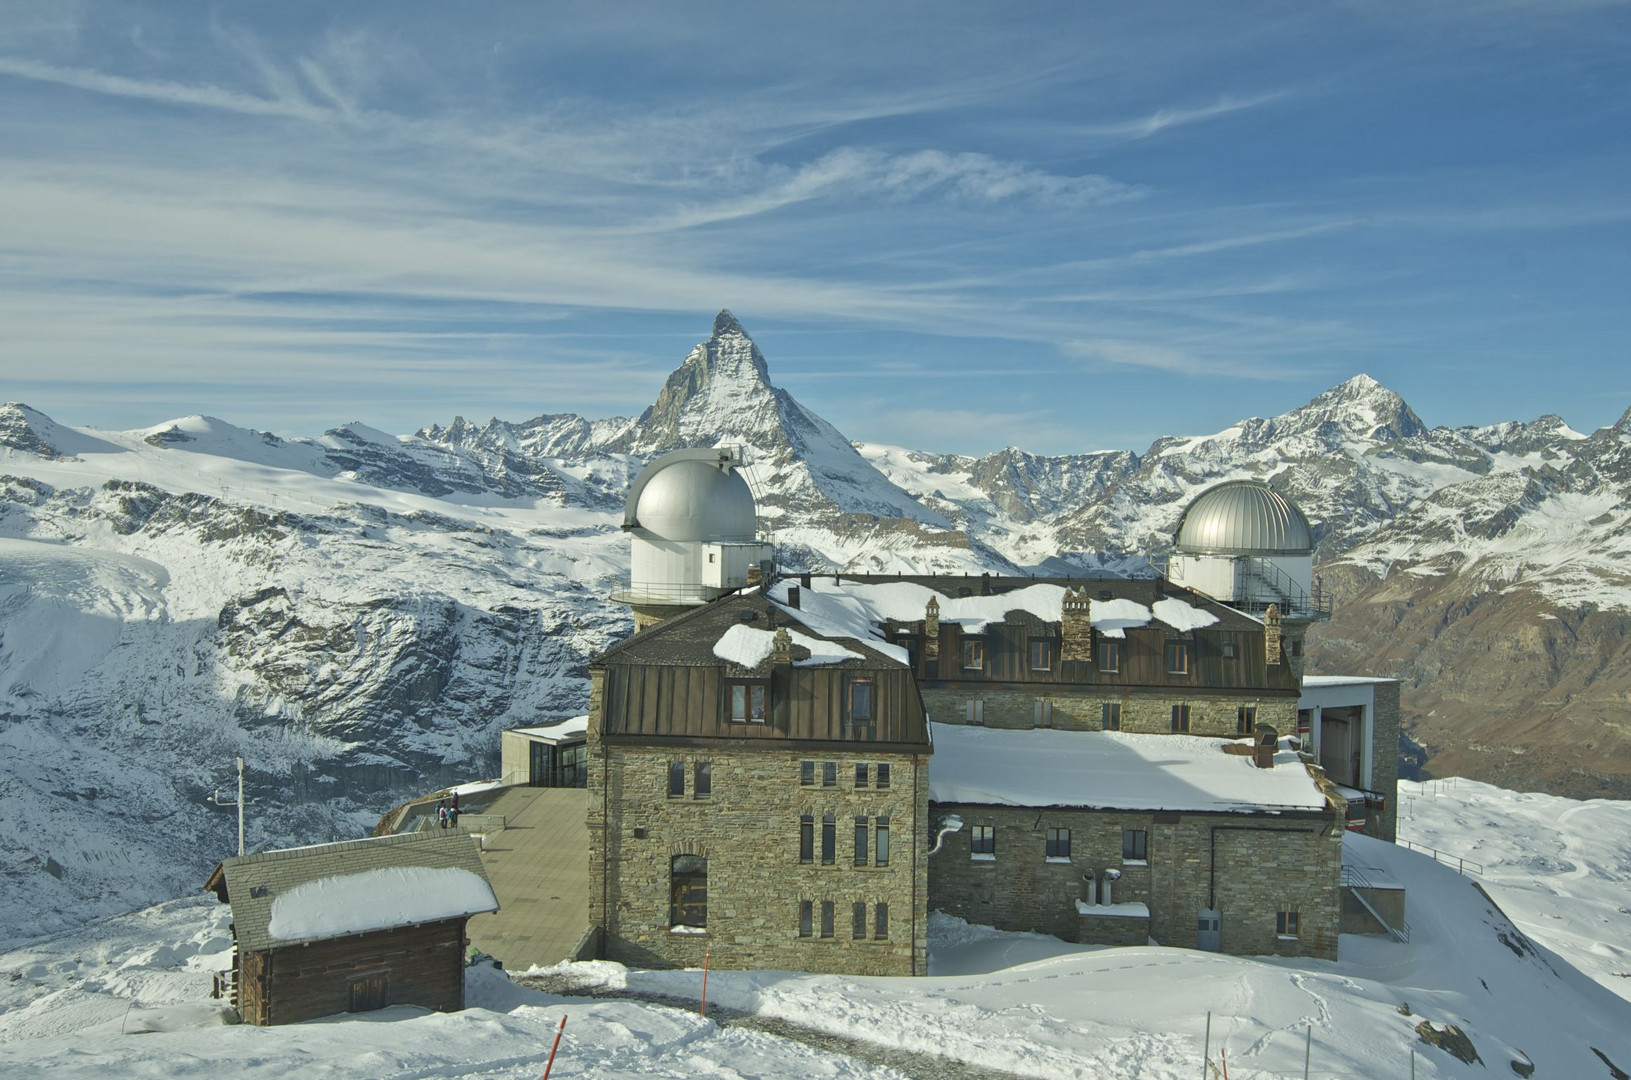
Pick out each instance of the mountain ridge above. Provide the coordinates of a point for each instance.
(360, 613)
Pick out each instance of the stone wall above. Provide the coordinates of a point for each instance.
(1264, 864)
(1095, 929)
(1384, 756)
(1210, 712)
(748, 829)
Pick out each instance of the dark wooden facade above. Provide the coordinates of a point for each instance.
(1143, 658)
(805, 704)
(411, 965)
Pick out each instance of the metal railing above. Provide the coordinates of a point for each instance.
(1282, 588)
(1353, 879)
(1462, 864)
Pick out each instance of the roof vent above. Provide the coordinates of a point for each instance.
(750, 616)
(1106, 594)
(793, 596)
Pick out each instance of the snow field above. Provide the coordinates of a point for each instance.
(1021, 1003)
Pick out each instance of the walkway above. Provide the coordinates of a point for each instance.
(539, 868)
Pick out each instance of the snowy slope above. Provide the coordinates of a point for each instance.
(1024, 1004)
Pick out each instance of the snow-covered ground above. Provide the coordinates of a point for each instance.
(1021, 1003)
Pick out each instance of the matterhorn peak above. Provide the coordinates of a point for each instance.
(725, 323)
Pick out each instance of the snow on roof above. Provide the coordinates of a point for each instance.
(1130, 910)
(1110, 769)
(747, 647)
(377, 900)
(1181, 616)
(855, 610)
(1310, 681)
(577, 725)
(1112, 617)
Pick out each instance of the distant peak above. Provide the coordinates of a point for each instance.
(725, 323)
(1362, 382)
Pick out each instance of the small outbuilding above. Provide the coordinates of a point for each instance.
(353, 926)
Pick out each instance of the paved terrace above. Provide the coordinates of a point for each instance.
(539, 869)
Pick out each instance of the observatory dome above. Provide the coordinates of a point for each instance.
(1243, 517)
(691, 498)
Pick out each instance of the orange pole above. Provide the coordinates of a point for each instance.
(551, 1063)
(1223, 1057)
(705, 954)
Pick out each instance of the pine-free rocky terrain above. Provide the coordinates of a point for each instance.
(359, 614)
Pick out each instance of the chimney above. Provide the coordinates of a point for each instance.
(1076, 626)
(931, 630)
(1268, 740)
(1271, 635)
(781, 648)
(804, 579)
(985, 583)
(793, 596)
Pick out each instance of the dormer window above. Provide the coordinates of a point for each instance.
(1042, 654)
(749, 702)
(1109, 656)
(860, 701)
(1177, 658)
(973, 654)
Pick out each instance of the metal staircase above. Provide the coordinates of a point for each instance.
(1354, 880)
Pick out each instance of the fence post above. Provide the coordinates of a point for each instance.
(1308, 1049)
(1206, 1047)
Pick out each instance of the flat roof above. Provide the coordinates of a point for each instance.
(1312, 682)
(1112, 770)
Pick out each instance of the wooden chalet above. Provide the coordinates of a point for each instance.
(353, 926)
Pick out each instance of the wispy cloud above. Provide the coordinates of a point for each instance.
(170, 93)
(1161, 119)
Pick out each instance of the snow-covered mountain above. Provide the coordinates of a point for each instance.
(359, 613)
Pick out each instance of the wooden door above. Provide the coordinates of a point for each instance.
(368, 993)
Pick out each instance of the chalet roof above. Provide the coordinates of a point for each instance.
(253, 884)
(692, 639)
(976, 599)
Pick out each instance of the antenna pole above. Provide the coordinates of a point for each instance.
(240, 807)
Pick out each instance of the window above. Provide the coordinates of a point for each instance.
(1135, 845)
(829, 840)
(1180, 718)
(807, 839)
(806, 773)
(1042, 715)
(858, 922)
(748, 702)
(806, 918)
(973, 655)
(1228, 650)
(974, 712)
(880, 850)
(880, 924)
(676, 779)
(1058, 844)
(704, 780)
(1177, 658)
(688, 891)
(860, 775)
(860, 701)
(1285, 923)
(1296, 650)
(883, 775)
(829, 774)
(1110, 656)
(826, 918)
(860, 841)
(1245, 719)
(982, 840)
(1110, 719)
(1042, 655)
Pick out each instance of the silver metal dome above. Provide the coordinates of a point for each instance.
(1243, 517)
(693, 495)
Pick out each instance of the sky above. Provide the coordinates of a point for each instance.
(951, 226)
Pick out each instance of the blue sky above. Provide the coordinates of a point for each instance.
(949, 225)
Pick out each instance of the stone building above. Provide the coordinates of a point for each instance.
(1146, 768)
(757, 790)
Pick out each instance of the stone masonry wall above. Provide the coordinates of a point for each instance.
(748, 829)
(1211, 714)
(1384, 758)
(1257, 874)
